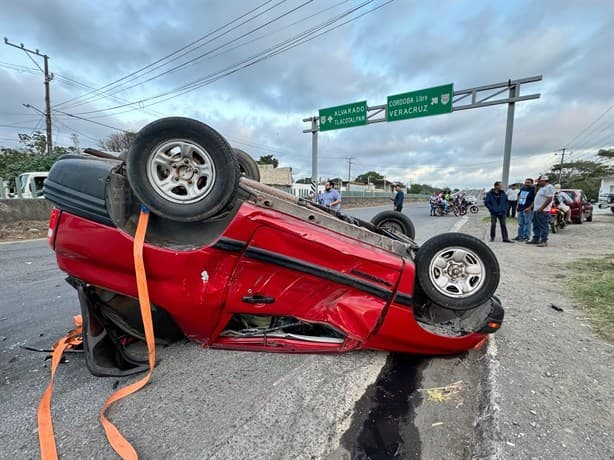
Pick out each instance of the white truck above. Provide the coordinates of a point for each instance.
(30, 184)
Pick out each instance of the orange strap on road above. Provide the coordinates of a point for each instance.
(116, 439)
(74, 338)
(45, 423)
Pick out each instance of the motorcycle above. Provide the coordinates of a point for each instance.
(557, 219)
(460, 209)
(441, 210)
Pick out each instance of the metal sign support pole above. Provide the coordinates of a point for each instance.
(507, 150)
(314, 157)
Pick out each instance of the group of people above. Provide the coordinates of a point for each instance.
(532, 204)
(440, 199)
(331, 198)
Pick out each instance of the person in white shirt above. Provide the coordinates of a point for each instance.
(512, 200)
(541, 218)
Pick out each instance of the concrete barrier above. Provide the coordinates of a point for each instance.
(13, 210)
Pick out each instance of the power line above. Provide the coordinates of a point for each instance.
(90, 121)
(197, 58)
(171, 54)
(279, 48)
(591, 124)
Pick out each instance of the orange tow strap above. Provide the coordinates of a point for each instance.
(45, 423)
(116, 439)
(74, 337)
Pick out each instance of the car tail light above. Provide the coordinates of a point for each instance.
(53, 222)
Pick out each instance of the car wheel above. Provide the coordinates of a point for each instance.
(473, 209)
(581, 219)
(395, 222)
(590, 217)
(457, 271)
(182, 169)
(247, 165)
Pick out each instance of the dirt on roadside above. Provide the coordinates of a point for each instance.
(550, 376)
(23, 230)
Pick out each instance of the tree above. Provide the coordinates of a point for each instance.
(606, 153)
(582, 174)
(117, 142)
(368, 177)
(415, 188)
(268, 160)
(35, 143)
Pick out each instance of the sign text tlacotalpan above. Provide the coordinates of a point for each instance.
(421, 103)
(343, 116)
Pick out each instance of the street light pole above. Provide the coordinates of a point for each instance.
(48, 78)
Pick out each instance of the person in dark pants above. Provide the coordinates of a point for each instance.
(541, 216)
(398, 199)
(512, 200)
(496, 202)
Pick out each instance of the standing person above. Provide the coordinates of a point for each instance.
(330, 197)
(496, 202)
(541, 218)
(525, 210)
(398, 198)
(433, 202)
(512, 200)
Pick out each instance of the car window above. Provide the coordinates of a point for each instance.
(571, 193)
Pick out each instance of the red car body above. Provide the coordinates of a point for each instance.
(313, 274)
(581, 208)
(266, 272)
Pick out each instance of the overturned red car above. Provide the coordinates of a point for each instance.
(234, 264)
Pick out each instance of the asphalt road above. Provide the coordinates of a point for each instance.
(201, 403)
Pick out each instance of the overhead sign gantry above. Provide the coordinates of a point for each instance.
(436, 100)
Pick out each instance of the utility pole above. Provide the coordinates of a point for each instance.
(562, 160)
(48, 78)
(349, 172)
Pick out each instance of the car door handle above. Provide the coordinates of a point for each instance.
(257, 298)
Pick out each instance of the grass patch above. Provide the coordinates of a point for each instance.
(508, 220)
(592, 286)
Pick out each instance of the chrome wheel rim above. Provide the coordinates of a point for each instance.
(181, 171)
(457, 272)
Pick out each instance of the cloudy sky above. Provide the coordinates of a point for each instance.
(253, 69)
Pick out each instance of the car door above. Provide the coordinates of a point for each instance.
(315, 275)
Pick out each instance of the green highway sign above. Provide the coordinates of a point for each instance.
(421, 103)
(343, 116)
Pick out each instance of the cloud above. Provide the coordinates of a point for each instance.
(404, 46)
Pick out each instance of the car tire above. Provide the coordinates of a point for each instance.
(581, 219)
(457, 271)
(247, 165)
(182, 169)
(395, 222)
(590, 217)
(473, 209)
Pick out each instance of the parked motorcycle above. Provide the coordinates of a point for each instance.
(557, 219)
(464, 207)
